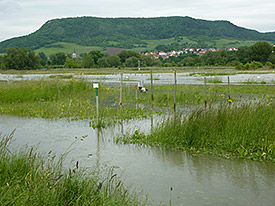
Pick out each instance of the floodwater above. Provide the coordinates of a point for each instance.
(159, 78)
(195, 180)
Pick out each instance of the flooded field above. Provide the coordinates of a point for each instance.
(164, 175)
(159, 78)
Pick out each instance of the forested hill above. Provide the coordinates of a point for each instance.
(128, 32)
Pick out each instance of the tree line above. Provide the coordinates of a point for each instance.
(256, 56)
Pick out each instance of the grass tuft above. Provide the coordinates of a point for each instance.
(28, 179)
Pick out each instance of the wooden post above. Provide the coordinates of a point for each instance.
(152, 96)
(152, 119)
(121, 81)
(205, 94)
(229, 96)
(175, 90)
(136, 91)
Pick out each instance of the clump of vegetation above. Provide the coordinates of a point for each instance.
(245, 131)
(28, 179)
(250, 66)
(214, 80)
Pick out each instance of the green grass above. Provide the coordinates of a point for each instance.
(236, 130)
(75, 99)
(71, 99)
(214, 80)
(27, 178)
(194, 94)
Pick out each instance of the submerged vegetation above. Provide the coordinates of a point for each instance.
(29, 179)
(244, 130)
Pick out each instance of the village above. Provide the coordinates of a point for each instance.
(198, 51)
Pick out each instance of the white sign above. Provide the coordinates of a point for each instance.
(95, 85)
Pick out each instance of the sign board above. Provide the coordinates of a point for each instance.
(95, 85)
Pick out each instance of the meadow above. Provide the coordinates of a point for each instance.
(75, 98)
(55, 98)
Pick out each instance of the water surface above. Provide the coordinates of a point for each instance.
(195, 180)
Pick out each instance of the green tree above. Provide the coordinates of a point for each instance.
(58, 58)
(103, 63)
(20, 59)
(43, 58)
(243, 54)
(114, 60)
(87, 61)
(131, 62)
(188, 61)
(261, 51)
(96, 55)
(125, 54)
(72, 63)
(147, 60)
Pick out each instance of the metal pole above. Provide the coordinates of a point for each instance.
(138, 64)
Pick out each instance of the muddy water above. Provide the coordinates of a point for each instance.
(195, 180)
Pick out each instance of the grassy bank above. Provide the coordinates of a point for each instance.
(26, 178)
(241, 130)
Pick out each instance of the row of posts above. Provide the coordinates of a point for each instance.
(96, 85)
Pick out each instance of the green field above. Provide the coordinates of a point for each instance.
(67, 48)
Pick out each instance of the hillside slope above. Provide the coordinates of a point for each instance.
(129, 32)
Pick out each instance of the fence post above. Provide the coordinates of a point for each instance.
(152, 96)
(121, 81)
(175, 90)
(205, 94)
(229, 95)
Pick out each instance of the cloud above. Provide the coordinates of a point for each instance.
(9, 7)
(21, 17)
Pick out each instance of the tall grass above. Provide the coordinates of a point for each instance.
(194, 94)
(243, 130)
(26, 178)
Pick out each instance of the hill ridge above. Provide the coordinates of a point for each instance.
(127, 32)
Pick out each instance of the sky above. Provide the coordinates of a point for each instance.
(22, 17)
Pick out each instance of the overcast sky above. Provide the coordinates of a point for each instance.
(22, 17)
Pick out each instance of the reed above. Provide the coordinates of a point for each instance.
(27, 178)
(244, 130)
